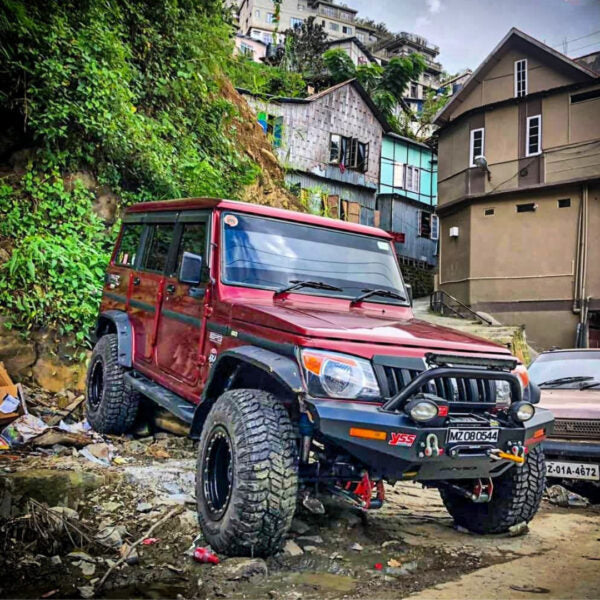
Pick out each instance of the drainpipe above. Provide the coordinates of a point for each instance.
(581, 256)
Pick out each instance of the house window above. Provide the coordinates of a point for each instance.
(477, 145)
(295, 22)
(335, 148)
(246, 49)
(272, 126)
(301, 6)
(534, 136)
(349, 152)
(411, 179)
(361, 37)
(270, 18)
(414, 90)
(399, 175)
(267, 38)
(347, 30)
(520, 77)
(334, 26)
(489, 212)
(428, 225)
(257, 13)
(529, 207)
(564, 203)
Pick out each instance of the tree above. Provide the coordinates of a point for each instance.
(434, 102)
(339, 65)
(304, 48)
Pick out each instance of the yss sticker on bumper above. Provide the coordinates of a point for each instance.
(402, 439)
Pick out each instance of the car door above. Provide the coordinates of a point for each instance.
(179, 351)
(146, 288)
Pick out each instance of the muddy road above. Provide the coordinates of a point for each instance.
(409, 547)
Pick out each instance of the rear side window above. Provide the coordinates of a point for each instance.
(129, 245)
(157, 247)
(193, 239)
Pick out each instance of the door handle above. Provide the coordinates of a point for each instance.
(136, 281)
(171, 289)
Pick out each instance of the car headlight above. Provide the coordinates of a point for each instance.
(522, 411)
(338, 375)
(422, 410)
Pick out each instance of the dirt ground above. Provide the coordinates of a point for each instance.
(408, 548)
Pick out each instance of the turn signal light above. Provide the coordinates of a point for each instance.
(522, 373)
(368, 434)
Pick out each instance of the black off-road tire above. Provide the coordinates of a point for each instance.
(111, 404)
(252, 510)
(516, 498)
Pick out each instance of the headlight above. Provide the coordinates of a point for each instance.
(422, 410)
(338, 375)
(522, 411)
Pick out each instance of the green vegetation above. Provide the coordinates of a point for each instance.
(126, 89)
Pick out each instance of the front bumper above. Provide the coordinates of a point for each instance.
(400, 456)
(565, 449)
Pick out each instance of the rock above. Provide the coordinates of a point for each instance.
(310, 548)
(65, 511)
(188, 520)
(133, 447)
(79, 555)
(391, 544)
(299, 527)
(111, 506)
(100, 451)
(132, 555)
(88, 569)
(292, 549)
(402, 571)
(110, 536)
(143, 507)
(56, 560)
(310, 539)
(17, 355)
(356, 547)
(518, 529)
(4, 258)
(105, 205)
(86, 591)
(243, 568)
(83, 178)
(55, 376)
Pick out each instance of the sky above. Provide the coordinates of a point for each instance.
(467, 30)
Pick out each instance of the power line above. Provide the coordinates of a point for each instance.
(586, 46)
(575, 39)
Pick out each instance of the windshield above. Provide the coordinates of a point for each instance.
(583, 367)
(269, 254)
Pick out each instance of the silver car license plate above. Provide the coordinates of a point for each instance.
(472, 436)
(572, 470)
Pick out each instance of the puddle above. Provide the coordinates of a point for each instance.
(325, 581)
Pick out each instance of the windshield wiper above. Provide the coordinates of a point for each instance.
(591, 384)
(367, 293)
(296, 284)
(562, 380)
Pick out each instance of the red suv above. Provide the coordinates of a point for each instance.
(288, 343)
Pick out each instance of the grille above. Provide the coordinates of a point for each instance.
(577, 428)
(451, 389)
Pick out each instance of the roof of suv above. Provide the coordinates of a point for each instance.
(257, 209)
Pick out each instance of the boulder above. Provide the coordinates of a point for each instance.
(55, 376)
(17, 354)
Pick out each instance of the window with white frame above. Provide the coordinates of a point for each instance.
(520, 77)
(361, 37)
(399, 175)
(257, 13)
(334, 26)
(267, 38)
(428, 225)
(270, 17)
(411, 179)
(296, 22)
(477, 145)
(534, 136)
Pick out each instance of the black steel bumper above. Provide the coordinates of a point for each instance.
(564, 450)
(401, 456)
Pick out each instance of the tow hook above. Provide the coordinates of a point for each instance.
(482, 492)
(516, 453)
(432, 447)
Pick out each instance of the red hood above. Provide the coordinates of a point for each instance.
(360, 325)
(572, 404)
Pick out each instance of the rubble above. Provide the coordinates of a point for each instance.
(243, 568)
(292, 549)
(560, 496)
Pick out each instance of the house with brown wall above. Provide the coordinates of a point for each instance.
(519, 193)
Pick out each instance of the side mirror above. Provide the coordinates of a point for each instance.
(191, 269)
(410, 292)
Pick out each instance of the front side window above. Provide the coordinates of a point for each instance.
(520, 78)
(157, 248)
(129, 245)
(193, 239)
(477, 145)
(265, 253)
(534, 135)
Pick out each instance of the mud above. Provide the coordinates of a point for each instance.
(410, 546)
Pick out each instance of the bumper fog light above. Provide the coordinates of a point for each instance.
(522, 411)
(422, 410)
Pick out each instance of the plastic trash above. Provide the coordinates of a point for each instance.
(378, 566)
(150, 541)
(203, 555)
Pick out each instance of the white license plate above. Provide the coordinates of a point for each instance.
(472, 435)
(571, 470)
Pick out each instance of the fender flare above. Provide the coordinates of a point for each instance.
(119, 321)
(283, 369)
